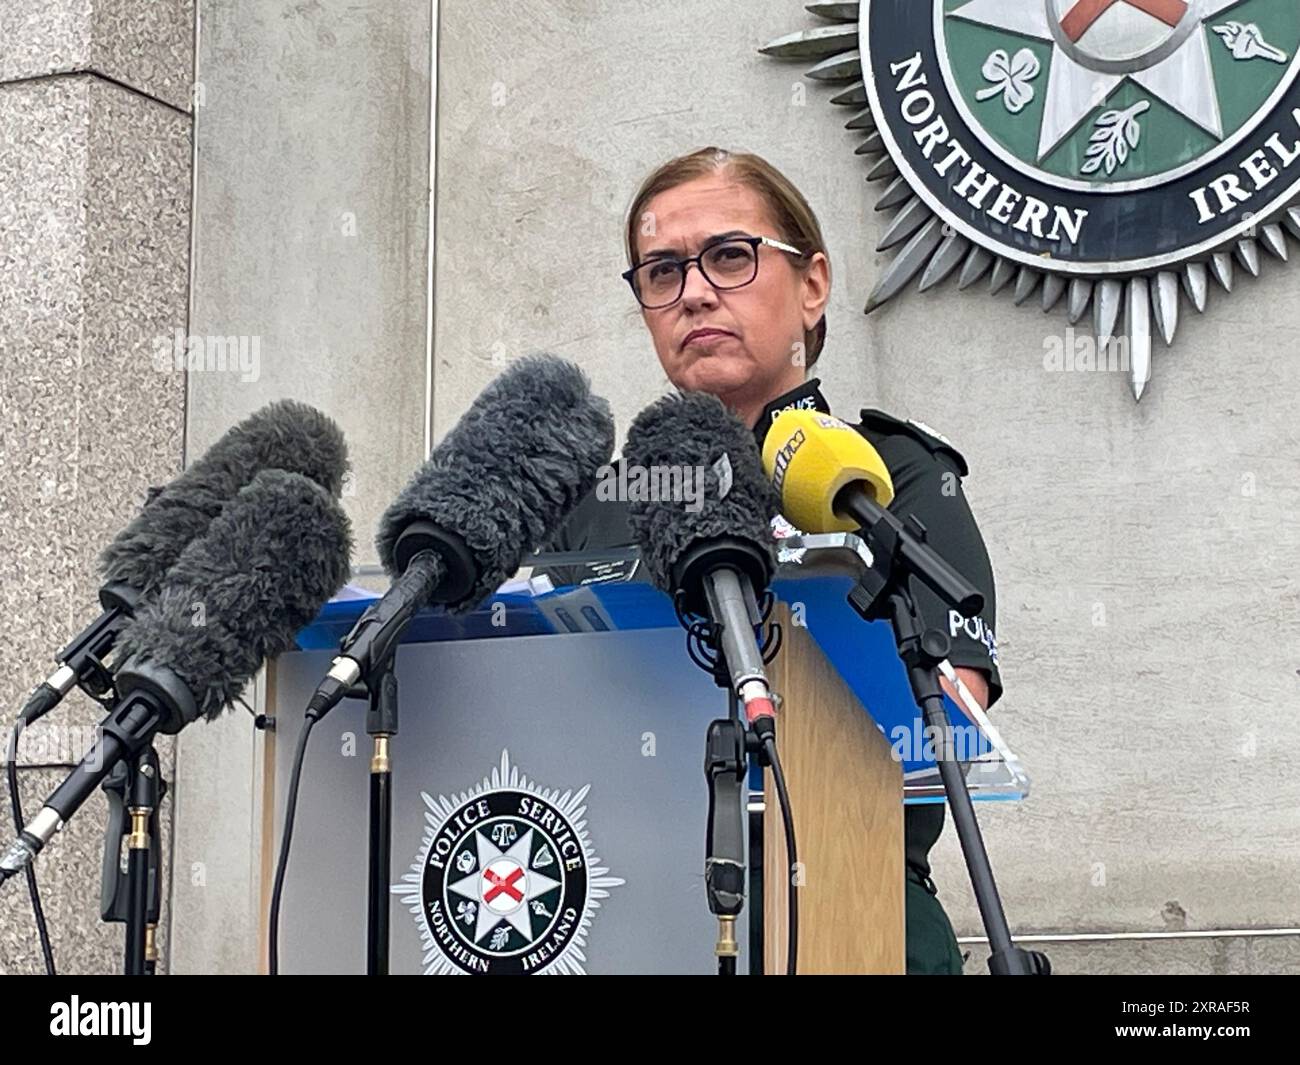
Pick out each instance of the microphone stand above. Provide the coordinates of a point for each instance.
(726, 770)
(883, 593)
(364, 669)
(135, 789)
(381, 724)
(728, 745)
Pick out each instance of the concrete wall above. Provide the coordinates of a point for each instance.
(95, 156)
(312, 217)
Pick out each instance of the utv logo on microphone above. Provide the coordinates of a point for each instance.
(783, 458)
(507, 880)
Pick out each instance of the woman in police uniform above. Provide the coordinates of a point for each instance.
(728, 264)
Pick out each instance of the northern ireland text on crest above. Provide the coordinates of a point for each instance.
(1228, 191)
(974, 184)
(1028, 214)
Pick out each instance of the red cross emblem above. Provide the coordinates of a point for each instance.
(501, 884)
(1079, 19)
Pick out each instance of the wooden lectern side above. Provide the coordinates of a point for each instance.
(846, 791)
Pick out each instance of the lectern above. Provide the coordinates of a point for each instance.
(549, 799)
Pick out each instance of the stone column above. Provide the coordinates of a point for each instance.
(95, 151)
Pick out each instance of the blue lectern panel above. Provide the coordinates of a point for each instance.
(567, 747)
(863, 653)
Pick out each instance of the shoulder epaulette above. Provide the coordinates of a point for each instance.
(934, 442)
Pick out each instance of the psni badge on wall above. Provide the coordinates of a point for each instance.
(1102, 153)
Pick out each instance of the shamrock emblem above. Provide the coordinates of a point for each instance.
(1011, 78)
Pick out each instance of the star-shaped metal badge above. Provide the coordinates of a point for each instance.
(1160, 44)
(1114, 156)
(504, 888)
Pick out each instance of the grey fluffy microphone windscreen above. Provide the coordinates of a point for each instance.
(683, 439)
(286, 435)
(239, 593)
(503, 479)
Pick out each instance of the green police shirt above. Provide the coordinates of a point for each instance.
(926, 471)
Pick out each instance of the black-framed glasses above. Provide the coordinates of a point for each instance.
(727, 264)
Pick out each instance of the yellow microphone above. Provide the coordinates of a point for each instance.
(810, 457)
(830, 479)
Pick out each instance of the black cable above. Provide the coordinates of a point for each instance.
(787, 819)
(282, 864)
(33, 892)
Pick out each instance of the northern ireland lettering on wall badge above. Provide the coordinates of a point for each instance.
(1111, 156)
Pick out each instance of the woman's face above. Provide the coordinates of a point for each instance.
(758, 353)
